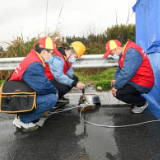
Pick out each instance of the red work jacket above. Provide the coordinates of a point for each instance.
(19, 71)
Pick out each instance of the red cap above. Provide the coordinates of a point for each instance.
(47, 43)
(110, 45)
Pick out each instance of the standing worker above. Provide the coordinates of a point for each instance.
(60, 71)
(133, 76)
(31, 71)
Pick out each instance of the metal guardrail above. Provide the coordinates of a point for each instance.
(95, 61)
(86, 61)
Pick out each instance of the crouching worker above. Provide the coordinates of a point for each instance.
(59, 69)
(133, 76)
(31, 71)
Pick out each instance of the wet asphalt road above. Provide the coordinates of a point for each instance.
(64, 136)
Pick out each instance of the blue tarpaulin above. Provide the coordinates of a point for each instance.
(148, 37)
(148, 25)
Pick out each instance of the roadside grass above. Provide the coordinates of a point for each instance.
(96, 77)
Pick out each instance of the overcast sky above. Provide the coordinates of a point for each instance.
(78, 17)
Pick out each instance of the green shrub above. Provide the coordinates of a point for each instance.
(108, 74)
(105, 84)
(94, 77)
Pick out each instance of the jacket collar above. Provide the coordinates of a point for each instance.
(41, 58)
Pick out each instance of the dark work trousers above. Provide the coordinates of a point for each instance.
(130, 95)
(62, 89)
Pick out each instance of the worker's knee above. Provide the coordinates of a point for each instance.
(47, 101)
(52, 99)
(118, 95)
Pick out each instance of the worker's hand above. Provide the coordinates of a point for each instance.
(57, 95)
(114, 92)
(113, 82)
(80, 85)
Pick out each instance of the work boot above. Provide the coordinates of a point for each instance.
(63, 100)
(140, 109)
(24, 126)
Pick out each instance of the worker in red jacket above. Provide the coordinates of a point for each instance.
(133, 76)
(31, 71)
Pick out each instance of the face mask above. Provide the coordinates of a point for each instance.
(72, 52)
(115, 57)
(49, 60)
(72, 60)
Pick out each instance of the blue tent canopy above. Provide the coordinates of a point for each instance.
(148, 37)
(148, 25)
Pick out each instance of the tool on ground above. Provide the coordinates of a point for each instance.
(83, 103)
(83, 95)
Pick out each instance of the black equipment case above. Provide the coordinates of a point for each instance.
(17, 97)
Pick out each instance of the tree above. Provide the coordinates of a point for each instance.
(121, 32)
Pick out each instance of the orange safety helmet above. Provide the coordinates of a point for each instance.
(79, 48)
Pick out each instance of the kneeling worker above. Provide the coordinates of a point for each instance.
(59, 69)
(133, 76)
(31, 71)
